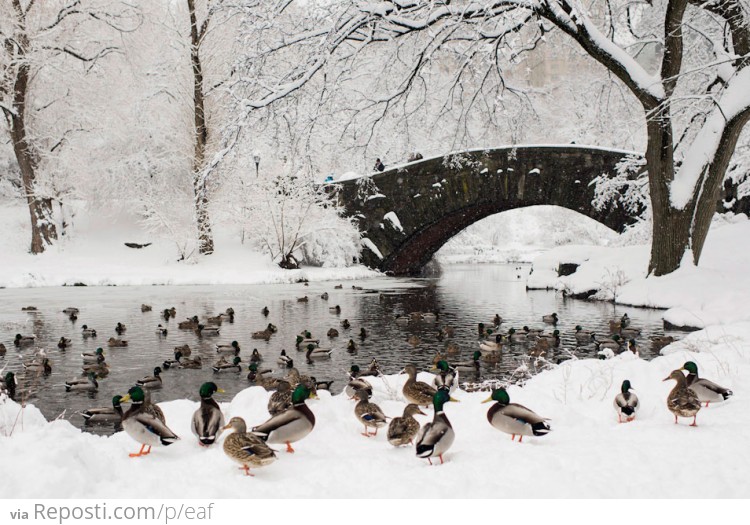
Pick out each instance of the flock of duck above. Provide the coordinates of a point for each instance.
(291, 419)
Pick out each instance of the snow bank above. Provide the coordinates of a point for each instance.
(588, 454)
(93, 253)
(715, 292)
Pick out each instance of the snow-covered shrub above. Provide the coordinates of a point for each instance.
(293, 220)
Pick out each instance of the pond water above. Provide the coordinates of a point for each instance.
(464, 295)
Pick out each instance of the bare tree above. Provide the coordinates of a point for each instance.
(38, 35)
(695, 104)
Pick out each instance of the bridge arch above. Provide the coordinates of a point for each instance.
(409, 212)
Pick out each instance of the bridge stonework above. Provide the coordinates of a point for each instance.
(406, 214)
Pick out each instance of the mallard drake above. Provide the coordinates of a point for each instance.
(446, 378)
(532, 334)
(88, 384)
(332, 332)
(145, 422)
(265, 311)
(96, 357)
(630, 332)
(413, 340)
(304, 340)
(8, 384)
(291, 425)
(120, 328)
(362, 333)
(160, 330)
(280, 400)
(151, 382)
(402, 430)
(435, 438)
(551, 318)
(87, 332)
(583, 336)
(552, 339)
(63, 343)
(351, 346)
(356, 383)
(415, 391)
(202, 330)
(190, 324)
(22, 340)
(302, 299)
(112, 342)
(469, 366)
(285, 360)
(490, 347)
(314, 352)
(146, 308)
(516, 337)
(71, 310)
(232, 348)
(707, 391)
(682, 401)
(245, 448)
(514, 419)
(626, 403)
(369, 414)
(208, 421)
(234, 366)
(104, 415)
(612, 344)
(38, 366)
(255, 357)
(324, 296)
(345, 324)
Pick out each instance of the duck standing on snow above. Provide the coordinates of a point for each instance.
(246, 448)
(291, 425)
(435, 438)
(208, 421)
(626, 403)
(402, 430)
(369, 414)
(415, 391)
(682, 401)
(145, 422)
(514, 419)
(707, 391)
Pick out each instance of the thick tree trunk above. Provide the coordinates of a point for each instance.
(205, 235)
(671, 227)
(43, 230)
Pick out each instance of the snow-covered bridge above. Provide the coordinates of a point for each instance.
(408, 212)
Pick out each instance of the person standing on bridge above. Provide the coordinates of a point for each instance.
(379, 166)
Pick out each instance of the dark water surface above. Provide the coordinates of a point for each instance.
(464, 295)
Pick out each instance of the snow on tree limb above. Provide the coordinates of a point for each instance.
(734, 103)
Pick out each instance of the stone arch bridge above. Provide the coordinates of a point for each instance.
(407, 213)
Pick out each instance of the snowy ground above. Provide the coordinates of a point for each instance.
(715, 292)
(588, 454)
(521, 235)
(94, 253)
